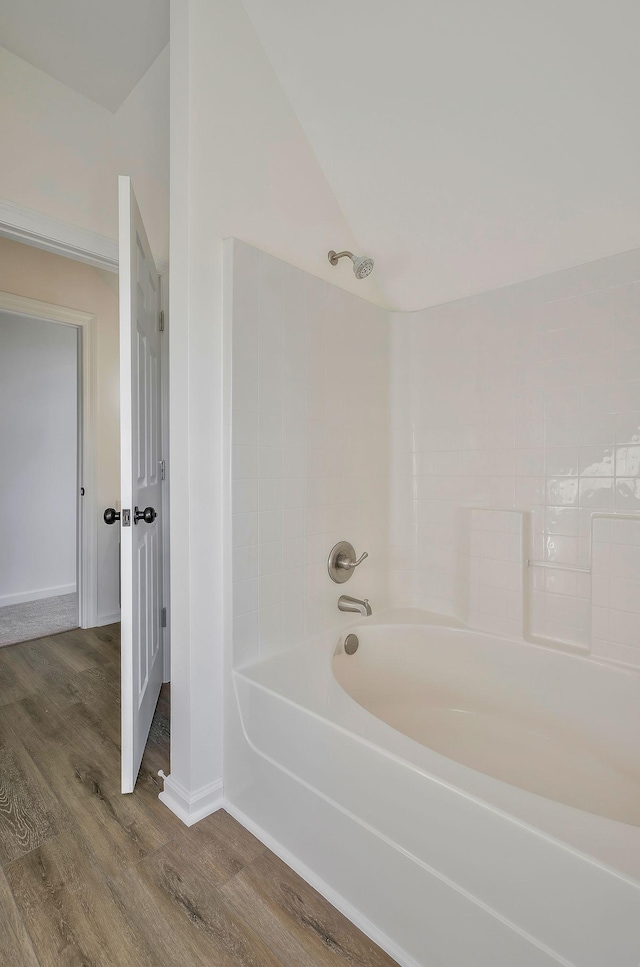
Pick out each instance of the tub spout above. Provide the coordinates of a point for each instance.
(347, 603)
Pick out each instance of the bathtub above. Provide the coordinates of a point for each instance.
(469, 801)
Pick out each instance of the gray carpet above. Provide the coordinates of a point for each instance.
(35, 619)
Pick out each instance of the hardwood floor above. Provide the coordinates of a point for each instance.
(91, 878)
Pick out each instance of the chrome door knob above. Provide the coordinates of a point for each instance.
(111, 515)
(148, 515)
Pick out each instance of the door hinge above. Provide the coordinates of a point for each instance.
(162, 470)
(161, 321)
(125, 519)
(163, 617)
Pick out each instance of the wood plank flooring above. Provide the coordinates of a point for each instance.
(91, 878)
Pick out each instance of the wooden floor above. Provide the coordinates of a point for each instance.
(90, 877)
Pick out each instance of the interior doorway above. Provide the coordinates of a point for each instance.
(45, 576)
(94, 280)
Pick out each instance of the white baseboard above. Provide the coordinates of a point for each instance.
(334, 898)
(107, 619)
(191, 807)
(23, 596)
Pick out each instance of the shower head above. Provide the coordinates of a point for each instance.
(362, 264)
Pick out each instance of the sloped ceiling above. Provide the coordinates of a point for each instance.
(470, 144)
(100, 50)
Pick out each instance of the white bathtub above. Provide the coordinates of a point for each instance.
(469, 801)
(564, 729)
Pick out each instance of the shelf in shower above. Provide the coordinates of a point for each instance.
(559, 567)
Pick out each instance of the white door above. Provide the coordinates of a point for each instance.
(140, 494)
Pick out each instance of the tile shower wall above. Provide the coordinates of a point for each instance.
(525, 399)
(310, 432)
(492, 575)
(615, 604)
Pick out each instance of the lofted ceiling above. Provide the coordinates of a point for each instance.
(99, 49)
(470, 145)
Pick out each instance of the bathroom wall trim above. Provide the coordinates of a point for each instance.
(191, 807)
(107, 619)
(37, 595)
(31, 227)
(34, 228)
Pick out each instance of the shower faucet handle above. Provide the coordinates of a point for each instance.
(342, 561)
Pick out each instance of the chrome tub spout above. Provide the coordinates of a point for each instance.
(347, 603)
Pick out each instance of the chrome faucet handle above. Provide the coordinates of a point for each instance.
(342, 561)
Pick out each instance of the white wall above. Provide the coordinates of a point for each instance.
(310, 451)
(38, 439)
(62, 153)
(470, 145)
(240, 166)
(30, 272)
(524, 399)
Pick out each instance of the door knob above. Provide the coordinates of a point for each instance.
(111, 515)
(148, 515)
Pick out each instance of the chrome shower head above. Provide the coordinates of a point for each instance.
(362, 264)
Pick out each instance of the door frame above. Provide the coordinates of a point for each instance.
(42, 231)
(86, 509)
(166, 483)
(69, 241)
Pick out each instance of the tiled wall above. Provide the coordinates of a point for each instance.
(453, 444)
(492, 579)
(310, 451)
(615, 613)
(527, 399)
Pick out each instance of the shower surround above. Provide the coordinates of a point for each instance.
(486, 454)
(310, 451)
(515, 434)
(454, 444)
